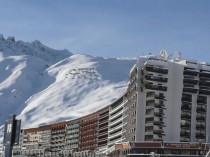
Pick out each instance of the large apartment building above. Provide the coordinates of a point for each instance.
(171, 99)
(166, 106)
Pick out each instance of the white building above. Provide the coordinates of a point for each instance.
(171, 98)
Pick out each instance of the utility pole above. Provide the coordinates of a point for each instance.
(11, 134)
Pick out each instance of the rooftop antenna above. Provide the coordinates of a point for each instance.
(178, 55)
(163, 55)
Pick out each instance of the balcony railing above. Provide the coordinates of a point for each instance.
(200, 127)
(186, 107)
(159, 114)
(156, 96)
(156, 78)
(190, 72)
(161, 97)
(190, 81)
(159, 105)
(185, 134)
(185, 125)
(155, 87)
(204, 74)
(159, 132)
(185, 116)
(201, 109)
(202, 100)
(190, 90)
(200, 136)
(184, 139)
(200, 118)
(204, 92)
(159, 123)
(187, 98)
(157, 69)
(204, 83)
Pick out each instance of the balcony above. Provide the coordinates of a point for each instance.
(159, 114)
(156, 69)
(187, 98)
(200, 126)
(152, 95)
(204, 92)
(201, 109)
(156, 78)
(186, 107)
(200, 118)
(155, 87)
(149, 138)
(200, 136)
(190, 73)
(201, 132)
(185, 125)
(149, 123)
(190, 90)
(204, 83)
(151, 104)
(149, 114)
(159, 132)
(204, 74)
(158, 138)
(106, 115)
(204, 88)
(159, 105)
(190, 81)
(185, 134)
(160, 97)
(186, 115)
(149, 132)
(159, 123)
(201, 100)
(184, 139)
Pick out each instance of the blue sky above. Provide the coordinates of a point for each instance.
(112, 28)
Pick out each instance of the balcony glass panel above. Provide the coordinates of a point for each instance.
(204, 74)
(157, 69)
(186, 107)
(190, 81)
(160, 96)
(155, 87)
(204, 92)
(200, 118)
(201, 99)
(200, 136)
(185, 134)
(191, 73)
(159, 114)
(200, 126)
(159, 132)
(185, 126)
(159, 123)
(187, 97)
(185, 115)
(159, 105)
(190, 90)
(201, 109)
(204, 83)
(156, 78)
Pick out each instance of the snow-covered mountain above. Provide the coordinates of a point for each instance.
(42, 85)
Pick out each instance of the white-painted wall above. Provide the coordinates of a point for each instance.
(173, 104)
